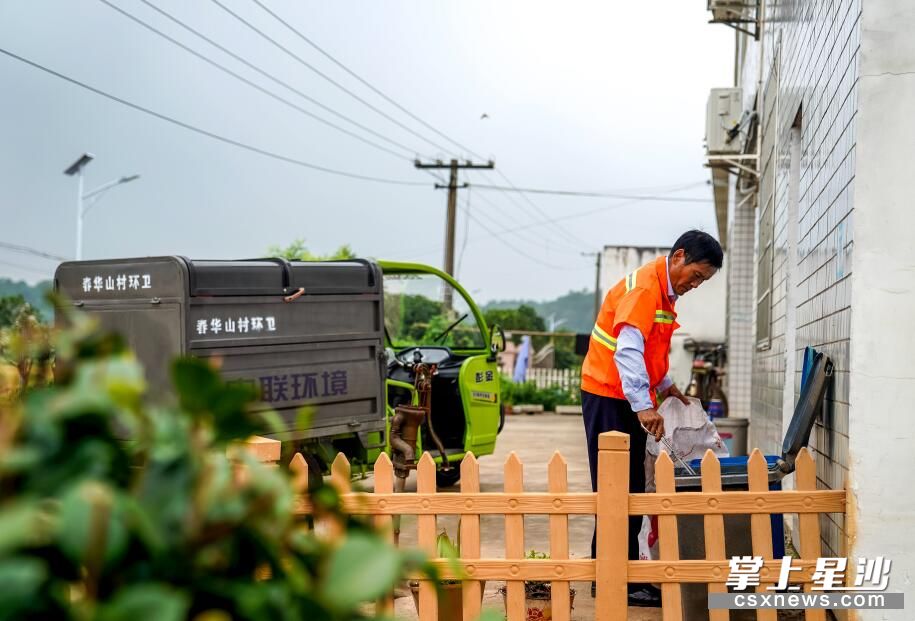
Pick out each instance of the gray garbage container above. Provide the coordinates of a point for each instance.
(304, 333)
(691, 528)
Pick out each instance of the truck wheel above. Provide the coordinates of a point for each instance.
(447, 478)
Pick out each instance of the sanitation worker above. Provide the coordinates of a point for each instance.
(625, 371)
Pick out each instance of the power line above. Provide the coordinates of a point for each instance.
(32, 251)
(261, 89)
(26, 268)
(451, 214)
(520, 234)
(267, 75)
(565, 233)
(518, 250)
(663, 189)
(304, 63)
(365, 82)
(466, 235)
(580, 214)
(511, 187)
(209, 134)
(524, 191)
(568, 235)
(400, 107)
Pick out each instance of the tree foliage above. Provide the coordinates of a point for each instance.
(23, 346)
(523, 317)
(10, 308)
(35, 295)
(297, 251)
(575, 309)
(94, 527)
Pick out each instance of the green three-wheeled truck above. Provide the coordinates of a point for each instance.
(391, 357)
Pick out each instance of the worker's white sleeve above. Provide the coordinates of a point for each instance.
(665, 383)
(630, 362)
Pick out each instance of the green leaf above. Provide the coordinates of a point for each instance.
(446, 549)
(20, 459)
(303, 417)
(196, 384)
(362, 569)
(274, 422)
(490, 614)
(21, 525)
(121, 377)
(21, 579)
(91, 516)
(149, 602)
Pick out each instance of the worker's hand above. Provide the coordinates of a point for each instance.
(673, 391)
(653, 422)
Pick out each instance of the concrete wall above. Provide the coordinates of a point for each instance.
(883, 297)
(700, 313)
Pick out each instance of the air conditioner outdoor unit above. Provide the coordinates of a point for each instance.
(727, 10)
(722, 123)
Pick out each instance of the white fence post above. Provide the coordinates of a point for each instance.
(566, 379)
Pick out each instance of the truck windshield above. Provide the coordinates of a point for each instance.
(419, 308)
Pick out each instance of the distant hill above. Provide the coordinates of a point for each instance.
(33, 294)
(576, 308)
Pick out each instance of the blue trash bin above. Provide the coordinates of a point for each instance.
(738, 541)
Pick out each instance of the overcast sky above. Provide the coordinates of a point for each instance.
(585, 96)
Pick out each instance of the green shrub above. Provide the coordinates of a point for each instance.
(528, 393)
(96, 528)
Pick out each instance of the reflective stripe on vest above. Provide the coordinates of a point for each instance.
(603, 338)
(663, 317)
(630, 280)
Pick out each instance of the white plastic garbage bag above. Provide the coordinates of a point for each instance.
(691, 433)
(648, 539)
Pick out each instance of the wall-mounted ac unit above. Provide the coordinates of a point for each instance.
(722, 123)
(727, 10)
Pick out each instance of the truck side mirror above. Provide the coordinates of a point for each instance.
(496, 340)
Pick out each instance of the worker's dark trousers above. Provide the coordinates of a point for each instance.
(602, 414)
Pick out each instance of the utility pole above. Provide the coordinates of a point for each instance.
(451, 220)
(450, 223)
(597, 298)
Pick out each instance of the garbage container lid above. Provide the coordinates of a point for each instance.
(808, 406)
(276, 276)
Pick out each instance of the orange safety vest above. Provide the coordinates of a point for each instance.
(639, 300)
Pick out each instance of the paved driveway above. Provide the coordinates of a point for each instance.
(535, 439)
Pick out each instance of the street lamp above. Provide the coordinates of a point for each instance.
(76, 168)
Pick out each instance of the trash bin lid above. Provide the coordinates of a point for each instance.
(807, 408)
(245, 277)
(276, 276)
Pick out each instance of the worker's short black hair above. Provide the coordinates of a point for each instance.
(699, 247)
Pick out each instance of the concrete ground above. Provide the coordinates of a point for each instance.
(535, 439)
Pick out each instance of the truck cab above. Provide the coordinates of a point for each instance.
(429, 317)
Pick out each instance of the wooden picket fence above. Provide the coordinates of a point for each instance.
(611, 504)
(567, 379)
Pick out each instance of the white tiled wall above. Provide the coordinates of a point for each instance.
(741, 304)
(815, 48)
